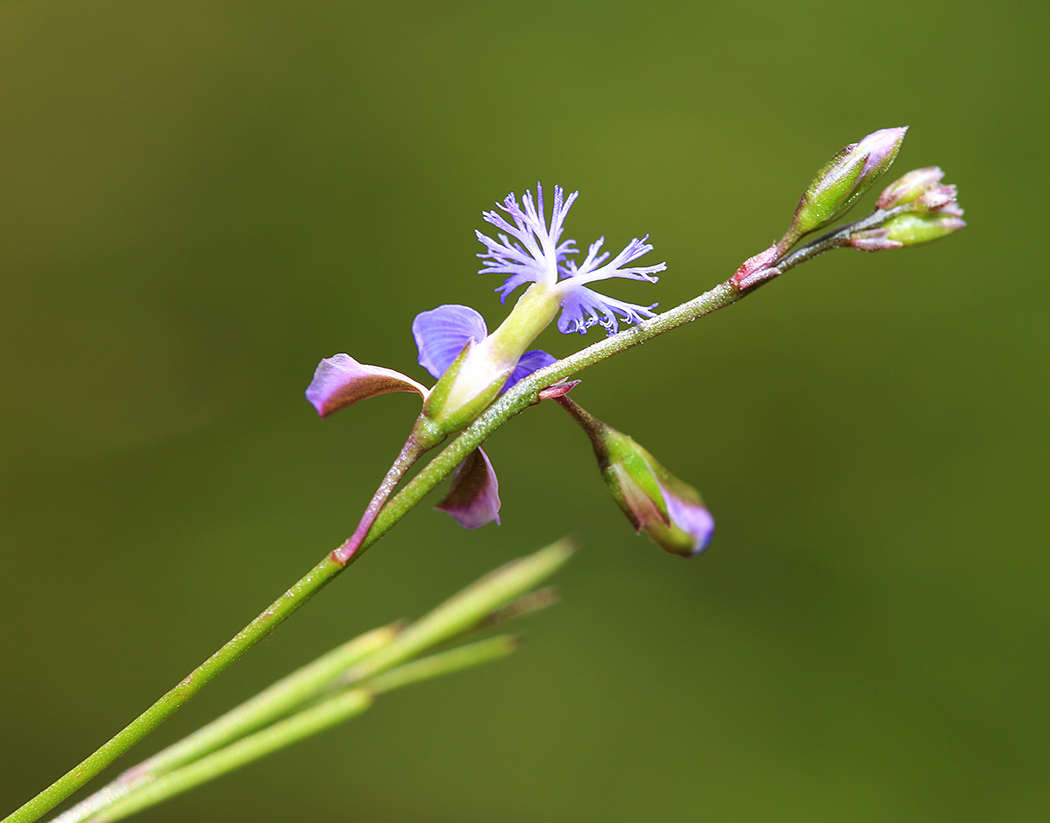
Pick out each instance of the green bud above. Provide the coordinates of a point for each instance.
(920, 190)
(913, 229)
(842, 181)
(669, 511)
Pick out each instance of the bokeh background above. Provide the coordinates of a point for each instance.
(199, 200)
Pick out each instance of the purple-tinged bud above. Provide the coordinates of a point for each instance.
(842, 181)
(655, 501)
(921, 189)
(913, 229)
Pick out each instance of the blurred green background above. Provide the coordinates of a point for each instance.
(200, 200)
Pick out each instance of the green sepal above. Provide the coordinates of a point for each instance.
(912, 229)
(437, 419)
(819, 206)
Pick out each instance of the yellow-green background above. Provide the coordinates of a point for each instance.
(199, 200)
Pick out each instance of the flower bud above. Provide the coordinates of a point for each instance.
(912, 229)
(655, 501)
(843, 180)
(921, 189)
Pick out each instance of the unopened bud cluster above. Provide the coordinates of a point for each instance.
(923, 209)
(915, 209)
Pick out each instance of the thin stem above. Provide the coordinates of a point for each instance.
(410, 453)
(586, 420)
(220, 743)
(279, 699)
(322, 716)
(524, 394)
(834, 239)
(279, 611)
(317, 718)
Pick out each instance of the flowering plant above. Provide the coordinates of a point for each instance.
(484, 379)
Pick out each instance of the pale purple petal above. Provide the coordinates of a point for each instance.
(527, 250)
(473, 499)
(691, 517)
(531, 361)
(583, 307)
(535, 252)
(592, 269)
(442, 333)
(341, 381)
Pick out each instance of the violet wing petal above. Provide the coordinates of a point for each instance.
(473, 499)
(442, 333)
(531, 361)
(341, 381)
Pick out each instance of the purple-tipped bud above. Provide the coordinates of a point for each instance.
(473, 499)
(341, 381)
(921, 189)
(843, 180)
(655, 501)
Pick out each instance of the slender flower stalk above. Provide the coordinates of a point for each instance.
(516, 400)
(472, 395)
(410, 453)
(524, 394)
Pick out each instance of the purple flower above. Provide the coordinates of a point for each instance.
(531, 251)
(473, 366)
(441, 335)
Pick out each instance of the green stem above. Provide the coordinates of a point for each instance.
(269, 705)
(260, 627)
(834, 239)
(481, 604)
(322, 716)
(317, 718)
(282, 608)
(524, 394)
